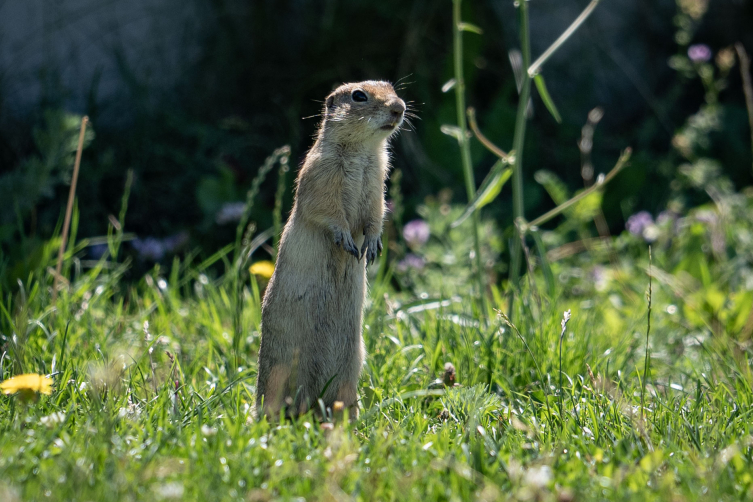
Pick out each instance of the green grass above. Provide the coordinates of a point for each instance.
(153, 407)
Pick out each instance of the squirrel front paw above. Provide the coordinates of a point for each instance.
(372, 246)
(343, 238)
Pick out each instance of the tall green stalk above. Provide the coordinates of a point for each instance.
(463, 139)
(518, 142)
(647, 361)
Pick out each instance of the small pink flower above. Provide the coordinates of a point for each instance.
(699, 53)
(411, 261)
(416, 233)
(638, 222)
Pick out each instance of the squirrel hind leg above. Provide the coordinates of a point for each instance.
(347, 394)
(272, 396)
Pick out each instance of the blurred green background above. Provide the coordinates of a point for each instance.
(192, 95)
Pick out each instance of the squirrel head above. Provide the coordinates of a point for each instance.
(362, 112)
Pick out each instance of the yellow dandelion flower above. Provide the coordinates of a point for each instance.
(27, 384)
(262, 269)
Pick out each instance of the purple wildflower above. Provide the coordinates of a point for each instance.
(411, 261)
(229, 212)
(154, 249)
(150, 248)
(416, 233)
(699, 53)
(638, 222)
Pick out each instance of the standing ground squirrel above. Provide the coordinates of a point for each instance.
(312, 312)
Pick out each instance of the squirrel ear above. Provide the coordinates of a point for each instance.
(330, 101)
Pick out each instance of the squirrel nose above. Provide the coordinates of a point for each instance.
(397, 108)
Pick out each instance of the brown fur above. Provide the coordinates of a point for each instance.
(312, 311)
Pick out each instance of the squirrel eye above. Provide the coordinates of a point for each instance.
(359, 96)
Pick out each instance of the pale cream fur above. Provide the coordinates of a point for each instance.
(312, 312)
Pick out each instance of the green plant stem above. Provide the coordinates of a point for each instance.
(483, 139)
(535, 67)
(565, 319)
(518, 142)
(114, 247)
(744, 59)
(648, 332)
(621, 163)
(562, 417)
(465, 151)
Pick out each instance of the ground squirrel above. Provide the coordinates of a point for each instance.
(312, 312)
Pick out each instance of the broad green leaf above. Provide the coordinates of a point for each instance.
(490, 188)
(546, 98)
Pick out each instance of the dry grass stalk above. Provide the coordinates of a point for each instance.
(69, 208)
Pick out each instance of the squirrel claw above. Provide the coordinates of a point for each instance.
(372, 246)
(344, 239)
